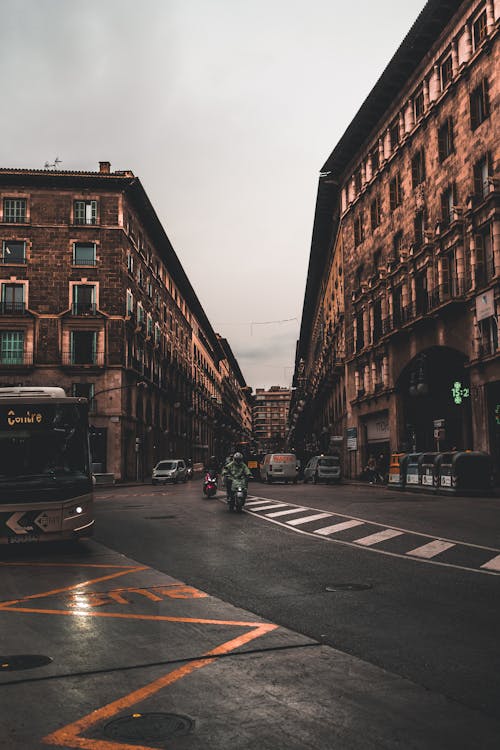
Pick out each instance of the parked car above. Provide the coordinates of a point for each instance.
(171, 470)
(279, 467)
(323, 469)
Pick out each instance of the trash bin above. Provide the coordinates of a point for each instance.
(397, 471)
(428, 472)
(412, 471)
(465, 473)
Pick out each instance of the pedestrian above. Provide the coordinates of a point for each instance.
(371, 469)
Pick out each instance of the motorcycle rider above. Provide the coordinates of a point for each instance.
(235, 471)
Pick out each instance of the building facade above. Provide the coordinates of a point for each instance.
(411, 196)
(270, 418)
(93, 298)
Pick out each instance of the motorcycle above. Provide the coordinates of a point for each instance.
(238, 497)
(209, 485)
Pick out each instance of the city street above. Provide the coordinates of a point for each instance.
(324, 616)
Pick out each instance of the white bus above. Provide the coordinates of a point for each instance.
(46, 491)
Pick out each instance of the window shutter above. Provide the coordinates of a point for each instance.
(479, 245)
(474, 119)
(485, 97)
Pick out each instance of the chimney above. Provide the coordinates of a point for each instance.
(104, 167)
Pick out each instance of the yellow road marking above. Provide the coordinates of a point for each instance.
(70, 735)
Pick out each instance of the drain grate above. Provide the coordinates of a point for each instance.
(15, 662)
(154, 727)
(349, 587)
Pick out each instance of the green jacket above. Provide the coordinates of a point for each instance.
(236, 472)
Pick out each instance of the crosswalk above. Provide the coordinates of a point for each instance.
(377, 537)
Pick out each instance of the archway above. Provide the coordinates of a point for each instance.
(434, 387)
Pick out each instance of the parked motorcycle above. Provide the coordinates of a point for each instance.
(238, 497)
(209, 485)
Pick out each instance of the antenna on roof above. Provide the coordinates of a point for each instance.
(57, 161)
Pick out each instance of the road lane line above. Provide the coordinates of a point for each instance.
(493, 564)
(338, 527)
(285, 512)
(300, 521)
(379, 536)
(431, 550)
(269, 507)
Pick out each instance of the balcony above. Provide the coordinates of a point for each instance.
(83, 359)
(13, 359)
(83, 308)
(12, 308)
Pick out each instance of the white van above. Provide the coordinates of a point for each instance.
(279, 467)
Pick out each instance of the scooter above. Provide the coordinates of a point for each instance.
(209, 485)
(238, 497)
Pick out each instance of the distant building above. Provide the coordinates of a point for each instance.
(94, 299)
(399, 342)
(270, 418)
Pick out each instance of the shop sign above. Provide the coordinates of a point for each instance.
(352, 438)
(485, 305)
(377, 429)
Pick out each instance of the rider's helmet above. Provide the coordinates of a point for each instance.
(238, 457)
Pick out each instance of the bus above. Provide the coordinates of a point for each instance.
(46, 489)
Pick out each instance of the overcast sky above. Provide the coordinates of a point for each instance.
(225, 109)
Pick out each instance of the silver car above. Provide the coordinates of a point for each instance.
(171, 470)
(322, 469)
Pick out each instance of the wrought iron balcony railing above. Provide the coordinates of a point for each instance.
(83, 359)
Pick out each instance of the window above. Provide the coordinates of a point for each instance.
(479, 30)
(377, 320)
(358, 230)
(397, 244)
(85, 212)
(14, 210)
(149, 326)
(447, 203)
(13, 251)
(357, 180)
(419, 228)
(360, 334)
(377, 260)
(375, 157)
(84, 390)
(479, 104)
(130, 263)
(12, 298)
(395, 193)
(481, 173)
(418, 168)
(397, 305)
(421, 297)
(140, 313)
(446, 71)
(83, 302)
(11, 347)
(449, 270)
(130, 303)
(83, 348)
(84, 254)
(418, 104)
(445, 139)
(489, 336)
(375, 212)
(394, 133)
(485, 263)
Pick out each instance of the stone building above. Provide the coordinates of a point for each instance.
(94, 299)
(411, 196)
(270, 418)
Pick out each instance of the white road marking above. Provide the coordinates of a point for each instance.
(380, 536)
(257, 501)
(284, 512)
(269, 507)
(493, 564)
(338, 527)
(300, 521)
(431, 550)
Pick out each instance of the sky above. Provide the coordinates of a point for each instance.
(225, 109)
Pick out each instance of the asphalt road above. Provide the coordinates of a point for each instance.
(433, 620)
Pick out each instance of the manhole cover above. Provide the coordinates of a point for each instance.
(154, 518)
(149, 727)
(349, 587)
(15, 662)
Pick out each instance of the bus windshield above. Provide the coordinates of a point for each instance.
(43, 444)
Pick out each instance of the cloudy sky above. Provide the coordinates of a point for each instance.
(225, 109)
